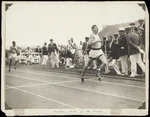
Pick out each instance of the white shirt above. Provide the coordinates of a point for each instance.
(94, 37)
(13, 49)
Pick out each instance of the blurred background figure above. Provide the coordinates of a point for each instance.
(45, 54)
(39, 51)
(30, 59)
(85, 50)
(13, 52)
(74, 51)
(142, 45)
(123, 50)
(80, 53)
(142, 25)
(133, 40)
(53, 53)
(113, 57)
(132, 25)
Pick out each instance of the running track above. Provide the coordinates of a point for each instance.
(30, 89)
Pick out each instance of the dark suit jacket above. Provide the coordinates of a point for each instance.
(133, 41)
(123, 46)
(114, 53)
(38, 50)
(52, 48)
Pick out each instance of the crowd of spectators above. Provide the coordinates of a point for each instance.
(124, 50)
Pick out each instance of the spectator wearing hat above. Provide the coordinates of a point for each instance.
(133, 40)
(115, 35)
(108, 50)
(140, 33)
(104, 45)
(113, 57)
(123, 51)
(39, 51)
(45, 54)
(53, 53)
(132, 26)
(142, 25)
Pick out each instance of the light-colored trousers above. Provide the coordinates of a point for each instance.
(136, 59)
(68, 62)
(54, 59)
(114, 64)
(45, 58)
(124, 64)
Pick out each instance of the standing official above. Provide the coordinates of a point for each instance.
(53, 53)
(123, 51)
(39, 51)
(142, 25)
(45, 54)
(133, 40)
(140, 33)
(113, 55)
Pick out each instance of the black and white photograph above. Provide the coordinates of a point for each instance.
(74, 58)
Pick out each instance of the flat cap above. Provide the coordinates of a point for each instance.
(115, 33)
(128, 27)
(132, 23)
(121, 29)
(140, 20)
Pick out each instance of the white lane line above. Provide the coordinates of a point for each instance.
(120, 84)
(8, 87)
(21, 77)
(58, 76)
(94, 91)
(44, 97)
(45, 84)
(118, 77)
(128, 98)
(117, 84)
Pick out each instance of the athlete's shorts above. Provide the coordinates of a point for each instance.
(13, 56)
(94, 54)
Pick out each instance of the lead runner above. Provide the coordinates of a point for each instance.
(95, 53)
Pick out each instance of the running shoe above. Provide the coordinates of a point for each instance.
(98, 75)
(82, 79)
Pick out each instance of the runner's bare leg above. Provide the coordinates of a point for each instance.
(85, 68)
(10, 64)
(15, 64)
(104, 63)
